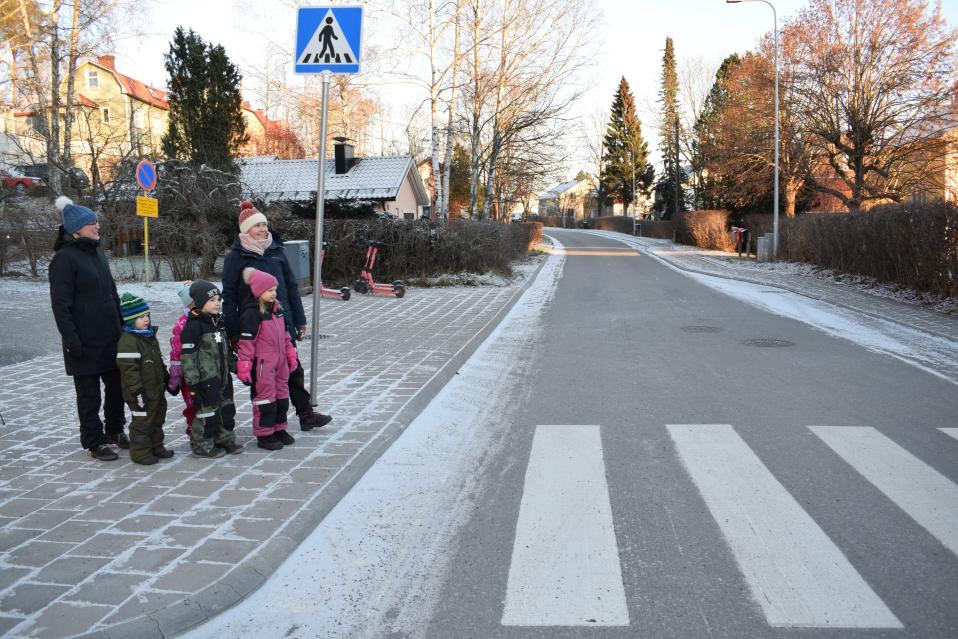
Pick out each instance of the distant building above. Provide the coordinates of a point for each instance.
(117, 117)
(573, 201)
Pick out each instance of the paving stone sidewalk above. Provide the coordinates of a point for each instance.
(114, 549)
(726, 265)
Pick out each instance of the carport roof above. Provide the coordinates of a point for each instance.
(370, 178)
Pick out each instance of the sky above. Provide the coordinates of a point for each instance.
(629, 42)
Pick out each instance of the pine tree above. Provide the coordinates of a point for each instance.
(206, 123)
(671, 180)
(625, 153)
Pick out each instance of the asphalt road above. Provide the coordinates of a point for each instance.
(736, 504)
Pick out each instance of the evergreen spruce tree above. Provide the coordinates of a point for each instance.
(624, 151)
(672, 177)
(206, 123)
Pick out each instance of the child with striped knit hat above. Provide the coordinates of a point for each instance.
(144, 378)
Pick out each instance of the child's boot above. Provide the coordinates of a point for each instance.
(284, 437)
(269, 442)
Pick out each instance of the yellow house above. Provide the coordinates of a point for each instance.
(117, 118)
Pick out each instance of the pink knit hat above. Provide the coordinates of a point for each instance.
(249, 216)
(259, 281)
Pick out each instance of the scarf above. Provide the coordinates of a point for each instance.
(149, 331)
(255, 246)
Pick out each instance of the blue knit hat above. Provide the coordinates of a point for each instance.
(75, 217)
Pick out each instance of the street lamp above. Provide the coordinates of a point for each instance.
(775, 191)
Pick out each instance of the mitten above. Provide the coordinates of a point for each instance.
(176, 379)
(244, 370)
(292, 358)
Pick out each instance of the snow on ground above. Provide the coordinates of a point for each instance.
(932, 354)
(948, 305)
(369, 564)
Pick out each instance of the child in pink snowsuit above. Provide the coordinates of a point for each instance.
(266, 356)
(176, 348)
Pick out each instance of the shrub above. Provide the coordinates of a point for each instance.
(420, 248)
(912, 245)
(705, 229)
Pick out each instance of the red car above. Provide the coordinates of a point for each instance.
(20, 183)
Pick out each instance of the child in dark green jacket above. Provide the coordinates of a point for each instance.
(143, 376)
(205, 357)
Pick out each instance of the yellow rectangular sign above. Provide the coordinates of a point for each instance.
(147, 207)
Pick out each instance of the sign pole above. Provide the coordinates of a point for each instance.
(146, 251)
(318, 249)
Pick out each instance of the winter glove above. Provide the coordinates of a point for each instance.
(75, 351)
(175, 382)
(292, 358)
(244, 370)
(301, 332)
(231, 362)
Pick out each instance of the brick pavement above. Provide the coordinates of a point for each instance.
(118, 550)
(718, 264)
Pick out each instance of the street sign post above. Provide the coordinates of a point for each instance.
(146, 207)
(328, 41)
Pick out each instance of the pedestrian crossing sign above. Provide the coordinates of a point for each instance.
(328, 39)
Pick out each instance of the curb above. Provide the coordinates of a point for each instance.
(252, 572)
(790, 289)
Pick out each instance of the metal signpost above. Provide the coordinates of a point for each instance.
(328, 41)
(146, 207)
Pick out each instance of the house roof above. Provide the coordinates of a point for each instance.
(135, 88)
(560, 189)
(370, 178)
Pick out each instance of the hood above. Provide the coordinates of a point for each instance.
(64, 239)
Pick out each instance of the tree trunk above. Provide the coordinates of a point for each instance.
(444, 206)
(71, 72)
(434, 115)
(53, 140)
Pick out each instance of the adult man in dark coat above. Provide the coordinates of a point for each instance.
(87, 312)
(255, 247)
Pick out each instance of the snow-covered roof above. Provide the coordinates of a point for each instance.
(370, 178)
(559, 189)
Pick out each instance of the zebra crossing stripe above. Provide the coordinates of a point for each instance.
(925, 495)
(952, 432)
(565, 562)
(796, 574)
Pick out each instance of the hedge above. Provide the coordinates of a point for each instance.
(912, 245)
(414, 249)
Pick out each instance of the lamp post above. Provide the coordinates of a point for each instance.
(775, 191)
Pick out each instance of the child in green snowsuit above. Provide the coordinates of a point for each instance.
(143, 376)
(206, 360)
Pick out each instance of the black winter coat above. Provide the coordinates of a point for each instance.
(85, 305)
(236, 292)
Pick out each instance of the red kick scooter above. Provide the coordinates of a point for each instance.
(365, 284)
(343, 293)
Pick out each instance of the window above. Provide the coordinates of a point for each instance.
(139, 120)
(105, 115)
(92, 79)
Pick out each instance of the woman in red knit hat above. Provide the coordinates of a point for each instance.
(255, 247)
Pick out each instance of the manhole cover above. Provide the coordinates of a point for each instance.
(701, 329)
(766, 342)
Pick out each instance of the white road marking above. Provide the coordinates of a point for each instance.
(565, 562)
(953, 432)
(796, 574)
(926, 495)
